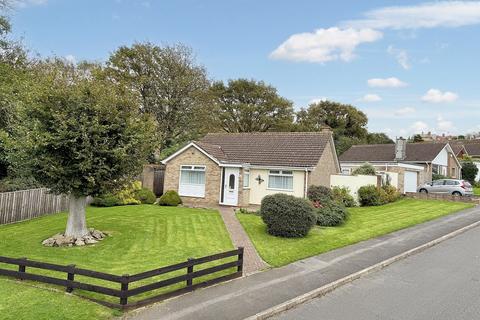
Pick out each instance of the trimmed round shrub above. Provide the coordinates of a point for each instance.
(107, 200)
(370, 196)
(287, 216)
(342, 195)
(331, 214)
(319, 193)
(389, 194)
(170, 198)
(145, 196)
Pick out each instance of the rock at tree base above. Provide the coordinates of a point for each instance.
(60, 240)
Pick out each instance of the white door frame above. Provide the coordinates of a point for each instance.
(229, 195)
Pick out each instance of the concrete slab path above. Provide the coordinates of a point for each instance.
(244, 297)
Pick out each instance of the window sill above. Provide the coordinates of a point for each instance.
(286, 190)
(192, 196)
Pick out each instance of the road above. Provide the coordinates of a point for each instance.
(440, 283)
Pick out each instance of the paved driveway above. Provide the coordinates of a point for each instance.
(440, 283)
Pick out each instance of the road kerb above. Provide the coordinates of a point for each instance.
(340, 282)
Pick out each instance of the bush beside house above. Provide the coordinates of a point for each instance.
(131, 195)
(287, 216)
(331, 213)
(170, 198)
(372, 196)
(342, 195)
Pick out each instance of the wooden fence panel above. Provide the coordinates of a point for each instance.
(28, 204)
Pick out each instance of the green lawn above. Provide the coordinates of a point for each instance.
(142, 238)
(363, 223)
(23, 301)
(476, 191)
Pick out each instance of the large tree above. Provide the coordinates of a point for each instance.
(250, 106)
(81, 136)
(378, 138)
(168, 84)
(349, 124)
(14, 86)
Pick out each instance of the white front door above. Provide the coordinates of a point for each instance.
(230, 186)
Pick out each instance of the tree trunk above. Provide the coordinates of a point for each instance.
(77, 223)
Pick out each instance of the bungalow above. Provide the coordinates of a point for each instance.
(239, 169)
(414, 162)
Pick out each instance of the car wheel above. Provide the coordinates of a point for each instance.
(423, 191)
(457, 193)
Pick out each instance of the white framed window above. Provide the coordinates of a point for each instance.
(246, 178)
(280, 180)
(192, 181)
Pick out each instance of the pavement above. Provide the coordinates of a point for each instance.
(245, 297)
(440, 283)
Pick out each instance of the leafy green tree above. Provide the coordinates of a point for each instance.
(417, 138)
(13, 85)
(81, 136)
(250, 106)
(347, 122)
(344, 119)
(469, 171)
(168, 84)
(378, 138)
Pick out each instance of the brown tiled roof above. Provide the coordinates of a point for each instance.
(415, 152)
(472, 146)
(213, 150)
(473, 149)
(457, 148)
(291, 149)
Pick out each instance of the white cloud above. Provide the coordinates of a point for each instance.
(437, 96)
(444, 126)
(386, 83)
(71, 59)
(400, 55)
(324, 45)
(371, 98)
(317, 100)
(26, 3)
(404, 111)
(419, 127)
(427, 15)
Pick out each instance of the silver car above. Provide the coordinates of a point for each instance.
(448, 186)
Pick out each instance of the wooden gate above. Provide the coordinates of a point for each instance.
(158, 179)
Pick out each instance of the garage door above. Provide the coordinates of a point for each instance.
(410, 181)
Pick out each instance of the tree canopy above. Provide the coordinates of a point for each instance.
(349, 124)
(168, 84)
(82, 135)
(250, 106)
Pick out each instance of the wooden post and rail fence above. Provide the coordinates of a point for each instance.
(125, 290)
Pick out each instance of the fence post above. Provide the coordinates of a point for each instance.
(190, 270)
(22, 267)
(124, 297)
(240, 258)
(71, 277)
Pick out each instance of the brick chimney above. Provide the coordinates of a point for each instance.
(400, 149)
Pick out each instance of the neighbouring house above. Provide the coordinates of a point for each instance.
(413, 162)
(472, 149)
(239, 169)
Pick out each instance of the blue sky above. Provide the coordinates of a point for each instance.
(411, 68)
